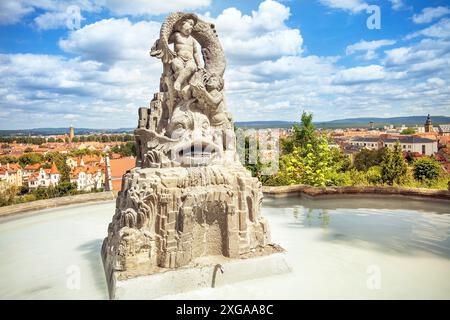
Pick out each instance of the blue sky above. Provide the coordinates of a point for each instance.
(283, 57)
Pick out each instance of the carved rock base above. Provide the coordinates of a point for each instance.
(168, 218)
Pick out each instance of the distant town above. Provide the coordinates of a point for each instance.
(38, 167)
(41, 167)
(415, 142)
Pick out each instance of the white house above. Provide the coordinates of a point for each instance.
(11, 174)
(407, 143)
(444, 129)
(372, 143)
(420, 145)
(88, 178)
(44, 178)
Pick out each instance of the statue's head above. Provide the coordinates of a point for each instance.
(213, 81)
(193, 132)
(186, 26)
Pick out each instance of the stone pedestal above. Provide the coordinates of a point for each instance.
(166, 218)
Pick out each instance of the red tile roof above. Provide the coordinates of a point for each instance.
(54, 169)
(118, 168)
(33, 167)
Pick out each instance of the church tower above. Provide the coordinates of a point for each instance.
(428, 125)
(71, 133)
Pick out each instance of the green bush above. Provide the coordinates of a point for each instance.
(340, 179)
(30, 158)
(358, 178)
(368, 158)
(7, 196)
(373, 175)
(408, 131)
(426, 169)
(126, 150)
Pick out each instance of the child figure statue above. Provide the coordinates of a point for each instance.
(187, 59)
(209, 94)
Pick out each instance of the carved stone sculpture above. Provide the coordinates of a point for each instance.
(188, 196)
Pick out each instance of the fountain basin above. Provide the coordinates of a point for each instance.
(333, 245)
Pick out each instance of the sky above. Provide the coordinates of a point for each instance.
(86, 62)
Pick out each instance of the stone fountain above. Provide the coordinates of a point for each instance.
(189, 203)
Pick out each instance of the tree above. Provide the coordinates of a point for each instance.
(65, 188)
(312, 165)
(426, 169)
(28, 150)
(30, 158)
(340, 160)
(287, 145)
(367, 158)
(408, 131)
(393, 166)
(60, 161)
(8, 159)
(126, 150)
(305, 133)
(8, 195)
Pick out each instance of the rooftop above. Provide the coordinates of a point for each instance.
(402, 139)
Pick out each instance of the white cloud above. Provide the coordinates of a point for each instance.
(441, 29)
(397, 4)
(280, 105)
(261, 36)
(429, 58)
(269, 75)
(369, 47)
(266, 46)
(429, 14)
(398, 55)
(436, 82)
(12, 11)
(71, 116)
(430, 66)
(55, 11)
(360, 74)
(111, 40)
(52, 89)
(353, 6)
(145, 7)
(70, 18)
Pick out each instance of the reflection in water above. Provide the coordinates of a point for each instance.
(396, 229)
(310, 217)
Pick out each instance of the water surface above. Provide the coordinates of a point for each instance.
(338, 248)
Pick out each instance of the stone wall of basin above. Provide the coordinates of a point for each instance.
(281, 191)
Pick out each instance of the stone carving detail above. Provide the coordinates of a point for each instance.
(189, 196)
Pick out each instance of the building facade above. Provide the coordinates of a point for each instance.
(44, 178)
(415, 144)
(88, 178)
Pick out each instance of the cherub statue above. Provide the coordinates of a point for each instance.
(209, 94)
(184, 60)
(187, 59)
